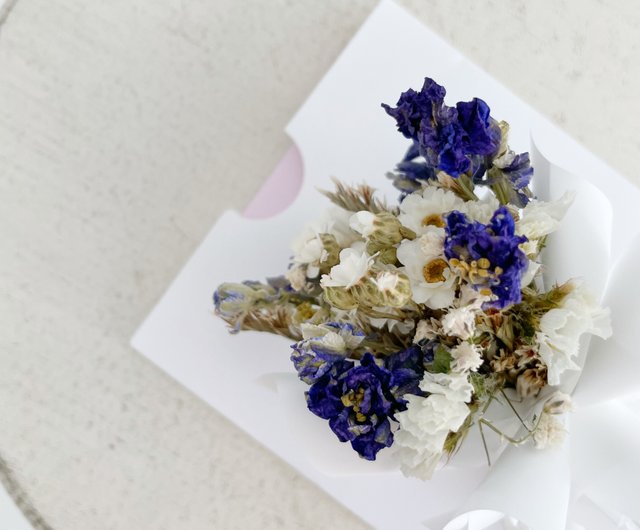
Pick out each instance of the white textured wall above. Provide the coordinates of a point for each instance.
(126, 128)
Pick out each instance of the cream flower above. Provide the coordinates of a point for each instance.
(455, 387)
(562, 327)
(363, 223)
(427, 329)
(460, 322)
(342, 340)
(540, 218)
(466, 357)
(297, 276)
(432, 282)
(426, 423)
(482, 210)
(387, 281)
(354, 265)
(549, 433)
(308, 249)
(421, 210)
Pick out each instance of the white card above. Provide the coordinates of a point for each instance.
(341, 131)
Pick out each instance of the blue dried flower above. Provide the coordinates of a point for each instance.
(491, 254)
(411, 171)
(322, 346)
(414, 107)
(448, 138)
(358, 402)
(407, 369)
(482, 133)
(519, 173)
(442, 145)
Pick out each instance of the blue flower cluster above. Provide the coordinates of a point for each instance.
(358, 399)
(518, 173)
(411, 171)
(451, 139)
(490, 253)
(357, 402)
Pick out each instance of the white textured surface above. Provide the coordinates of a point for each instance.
(126, 128)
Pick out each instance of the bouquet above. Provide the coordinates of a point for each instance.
(412, 321)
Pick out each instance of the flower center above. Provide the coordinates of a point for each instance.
(433, 220)
(433, 271)
(477, 272)
(354, 399)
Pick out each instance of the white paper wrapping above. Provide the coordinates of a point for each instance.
(341, 131)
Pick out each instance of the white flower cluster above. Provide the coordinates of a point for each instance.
(561, 329)
(427, 422)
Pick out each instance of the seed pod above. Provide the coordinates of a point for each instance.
(340, 297)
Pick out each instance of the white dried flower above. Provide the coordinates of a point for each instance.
(426, 329)
(353, 266)
(550, 432)
(335, 339)
(387, 281)
(540, 218)
(455, 387)
(562, 327)
(424, 209)
(308, 248)
(432, 281)
(427, 422)
(297, 276)
(363, 223)
(466, 357)
(482, 210)
(460, 322)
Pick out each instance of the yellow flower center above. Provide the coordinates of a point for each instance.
(354, 399)
(304, 312)
(433, 220)
(433, 271)
(477, 272)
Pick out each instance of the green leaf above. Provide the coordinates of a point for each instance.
(441, 361)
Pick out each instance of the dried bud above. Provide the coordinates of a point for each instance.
(340, 297)
(297, 276)
(531, 381)
(331, 252)
(504, 362)
(234, 300)
(386, 230)
(558, 403)
(394, 289)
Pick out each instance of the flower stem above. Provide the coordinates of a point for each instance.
(514, 409)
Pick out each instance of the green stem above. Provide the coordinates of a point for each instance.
(502, 194)
(514, 409)
(484, 443)
(466, 186)
(514, 441)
